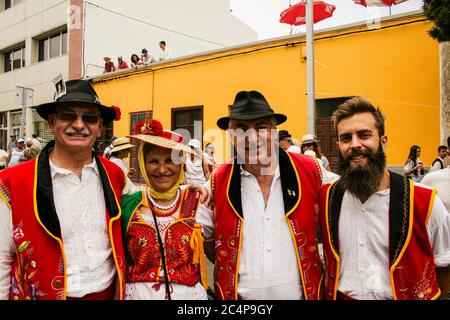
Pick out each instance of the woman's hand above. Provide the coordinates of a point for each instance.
(206, 198)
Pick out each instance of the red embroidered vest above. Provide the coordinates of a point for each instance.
(39, 267)
(412, 270)
(300, 180)
(144, 257)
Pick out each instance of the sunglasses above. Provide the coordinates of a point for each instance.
(308, 145)
(70, 116)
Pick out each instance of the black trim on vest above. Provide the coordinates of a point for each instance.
(234, 191)
(440, 162)
(44, 193)
(108, 192)
(398, 214)
(289, 181)
(288, 184)
(336, 194)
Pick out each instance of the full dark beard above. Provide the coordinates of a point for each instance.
(362, 181)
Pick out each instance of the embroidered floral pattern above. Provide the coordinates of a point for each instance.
(145, 264)
(23, 285)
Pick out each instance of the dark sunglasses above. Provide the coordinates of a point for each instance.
(308, 145)
(71, 116)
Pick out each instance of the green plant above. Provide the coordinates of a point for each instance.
(438, 11)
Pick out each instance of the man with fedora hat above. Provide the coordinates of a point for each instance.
(285, 141)
(265, 219)
(60, 235)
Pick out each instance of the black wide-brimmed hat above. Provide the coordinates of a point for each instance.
(82, 92)
(250, 105)
(284, 134)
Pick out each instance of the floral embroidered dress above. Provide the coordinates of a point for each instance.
(182, 238)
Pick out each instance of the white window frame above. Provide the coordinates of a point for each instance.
(10, 52)
(48, 38)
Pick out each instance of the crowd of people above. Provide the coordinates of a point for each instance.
(274, 221)
(19, 150)
(137, 61)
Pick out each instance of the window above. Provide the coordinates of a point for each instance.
(4, 130)
(189, 119)
(14, 59)
(53, 46)
(12, 3)
(134, 163)
(105, 138)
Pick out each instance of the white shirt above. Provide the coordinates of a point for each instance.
(194, 170)
(364, 244)
(294, 149)
(441, 181)
(268, 266)
(16, 157)
(165, 54)
(80, 207)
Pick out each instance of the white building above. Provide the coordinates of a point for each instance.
(40, 39)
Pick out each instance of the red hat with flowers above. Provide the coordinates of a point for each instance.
(151, 131)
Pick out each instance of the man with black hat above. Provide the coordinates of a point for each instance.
(60, 235)
(285, 141)
(265, 218)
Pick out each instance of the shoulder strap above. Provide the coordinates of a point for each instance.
(440, 161)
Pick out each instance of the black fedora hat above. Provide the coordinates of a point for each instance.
(82, 92)
(283, 134)
(250, 105)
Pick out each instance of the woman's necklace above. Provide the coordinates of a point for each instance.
(168, 207)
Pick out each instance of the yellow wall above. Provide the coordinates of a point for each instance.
(396, 67)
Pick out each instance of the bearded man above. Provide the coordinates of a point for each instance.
(385, 237)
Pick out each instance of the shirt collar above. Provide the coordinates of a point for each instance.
(245, 173)
(55, 170)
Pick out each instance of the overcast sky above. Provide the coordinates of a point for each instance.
(263, 15)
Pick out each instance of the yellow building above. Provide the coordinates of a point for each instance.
(395, 65)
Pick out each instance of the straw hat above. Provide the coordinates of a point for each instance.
(121, 144)
(309, 138)
(151, 131)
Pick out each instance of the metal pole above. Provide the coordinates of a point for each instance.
(310, 65)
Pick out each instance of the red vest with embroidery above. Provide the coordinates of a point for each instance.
(144, 257)
(300, 179)
(411, 262)
(39, 267)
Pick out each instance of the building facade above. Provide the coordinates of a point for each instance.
(40, 39)
(396, 66)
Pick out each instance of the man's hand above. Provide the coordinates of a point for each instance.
(131, 172)
(205, 199)
(443, 277)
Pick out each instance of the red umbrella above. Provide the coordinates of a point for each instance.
(296, 14)
(378, 3)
